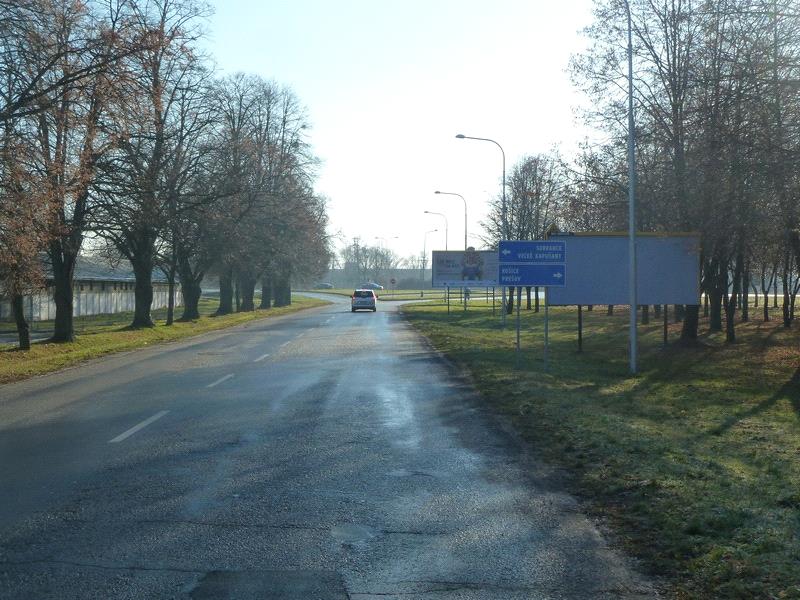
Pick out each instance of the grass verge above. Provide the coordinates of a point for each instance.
(104, 334)
(694, 461)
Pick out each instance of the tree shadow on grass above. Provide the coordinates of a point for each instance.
(789, 391)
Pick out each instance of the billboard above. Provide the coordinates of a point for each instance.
(465, 268)
(667, 269)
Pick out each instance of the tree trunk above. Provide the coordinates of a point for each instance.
(236, 294)
(171, 299)
(247, 285)
(190, 289)
(745, 295)
(283, 291)
(143, 291)
(716, 286)
(23, 328)
(610, 311)
(680, 311)
(191, 298)
(510, 301)
(536, 299)
(730, 306)
(787, 315)
(266, 291)
(657, 311)
(63, 266)
(225, 292)
(691, 323)
(715, 315)
(705, 305)
(528, 294)
(645, 314)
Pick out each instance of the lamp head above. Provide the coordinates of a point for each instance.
(437, 192)
(460, 136)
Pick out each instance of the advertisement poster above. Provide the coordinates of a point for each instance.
(465, 268)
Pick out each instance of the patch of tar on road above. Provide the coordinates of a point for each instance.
(271, 584)
(352, 534)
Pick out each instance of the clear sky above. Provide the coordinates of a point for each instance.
(388, 85)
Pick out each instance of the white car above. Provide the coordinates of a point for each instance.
(363, 299)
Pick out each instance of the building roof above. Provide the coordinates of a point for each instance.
(92, 268)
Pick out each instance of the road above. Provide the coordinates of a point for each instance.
(322, 455)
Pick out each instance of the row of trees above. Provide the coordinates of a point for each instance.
(115, 128)
(717, 101)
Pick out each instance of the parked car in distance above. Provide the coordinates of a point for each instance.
(371, 286)
(363, 299)
(323, 285)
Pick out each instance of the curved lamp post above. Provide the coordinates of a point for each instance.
(504, 222)
(425, 252)
(465, 212)
(430, 212)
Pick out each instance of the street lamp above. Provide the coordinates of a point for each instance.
(430, 212)
(465, 211)
(504, 223)
(425, 252)
(461, 136)
(631, 202)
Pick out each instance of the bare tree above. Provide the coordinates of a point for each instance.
(145, 127)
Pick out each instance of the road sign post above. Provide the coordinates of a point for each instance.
(533, 263)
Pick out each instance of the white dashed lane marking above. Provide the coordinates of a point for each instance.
(220, 380)
(126, 434)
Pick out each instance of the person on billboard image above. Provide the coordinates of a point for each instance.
(471, 265)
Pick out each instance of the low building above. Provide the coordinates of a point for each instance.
(98, 289)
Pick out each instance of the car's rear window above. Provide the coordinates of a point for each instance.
(362, 294)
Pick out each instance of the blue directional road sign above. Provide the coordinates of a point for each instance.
(533, 251)
(534, 262)
(541, 275)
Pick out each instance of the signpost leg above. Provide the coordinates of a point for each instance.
(546, 327)
(492, 301)
(512, 292)
(503, 315)
(580, 328)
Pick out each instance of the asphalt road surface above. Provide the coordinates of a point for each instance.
(322, 455)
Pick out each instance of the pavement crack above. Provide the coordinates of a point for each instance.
(445, 586)
(230, 525)
(402, 532)
(105, 567)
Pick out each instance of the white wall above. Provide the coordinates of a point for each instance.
(97, 301)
